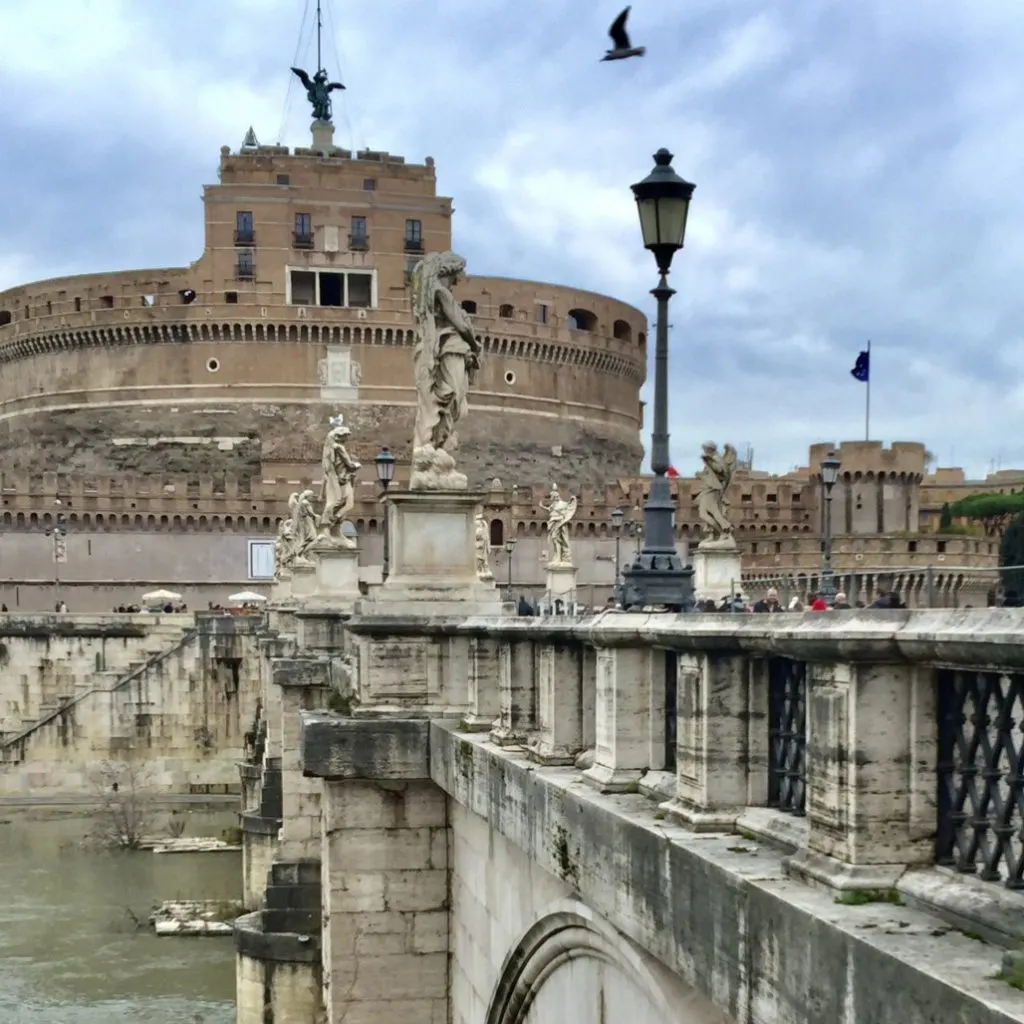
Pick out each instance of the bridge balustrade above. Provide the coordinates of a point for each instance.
(868, 742)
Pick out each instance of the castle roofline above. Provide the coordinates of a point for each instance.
(468, 278)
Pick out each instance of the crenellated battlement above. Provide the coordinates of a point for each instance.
(907, 459)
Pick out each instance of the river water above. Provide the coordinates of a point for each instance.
(69, 951)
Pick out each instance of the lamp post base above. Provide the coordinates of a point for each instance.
(658, 579)
(827, 590)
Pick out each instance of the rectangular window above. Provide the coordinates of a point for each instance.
(413, 234)
(369, 184)
(346, 288)
(940, 547)
(772, 498)
(303, 291)
(542, 313)
(244, 268)
(357, 236)
(261, 559)
(106, 301)
(244, 234)
(360, 290)
(231, 298)
(303, 230)
(332, 289)
(78, 305)
(284, 179)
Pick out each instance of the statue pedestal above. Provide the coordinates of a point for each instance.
(717, 569)
(303, 579)
(432, 557)
(281, 589)
(561, 582)
(323, 136)
(337, 574)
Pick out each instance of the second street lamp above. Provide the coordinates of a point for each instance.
(659, 577)
(384, 463)
(510, 546)
(617, 516)
(829, 475)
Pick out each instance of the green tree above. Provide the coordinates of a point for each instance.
(1011, 552)
(946, 518)
(993, 510)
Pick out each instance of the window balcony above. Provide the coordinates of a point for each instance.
(302, 241)
(245, 238)
(414, 245)
(245, 272)
(359, 243)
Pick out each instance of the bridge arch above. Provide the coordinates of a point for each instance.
(571, 965)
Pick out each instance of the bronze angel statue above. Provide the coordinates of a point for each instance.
(712, 496)
(446, 358)
(318, 92)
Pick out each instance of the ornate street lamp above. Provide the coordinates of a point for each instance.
(617, 516)
(59, 536)
(659, 576)
(510, 546)
(384, 462)
(829, 475)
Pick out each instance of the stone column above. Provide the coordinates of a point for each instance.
(517, 695)
(483, 685)
(384, 859)
(622, 719)
(721, 740)
(559, 735)
(304, 685)
(871, 748)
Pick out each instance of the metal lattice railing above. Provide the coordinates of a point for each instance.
(981, 775)
(787, 734)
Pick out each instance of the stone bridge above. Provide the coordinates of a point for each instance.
(786, 819)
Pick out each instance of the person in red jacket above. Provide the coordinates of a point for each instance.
(817, 604)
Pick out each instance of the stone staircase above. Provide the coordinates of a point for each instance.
(100, 685)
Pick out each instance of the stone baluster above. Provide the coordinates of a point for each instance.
(483, 685)
(561, 690)
(871, 754)
(623, 718)
(517, 694)
(721, 739)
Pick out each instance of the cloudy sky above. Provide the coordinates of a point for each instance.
(858, 170)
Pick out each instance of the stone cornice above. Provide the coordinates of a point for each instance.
(971, 637)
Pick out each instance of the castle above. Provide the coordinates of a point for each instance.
(163, 416)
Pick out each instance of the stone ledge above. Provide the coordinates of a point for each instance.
(717, 908)
(300, 672)
(969, 904)
(256, 824)
(273, 947)
(972, 638)
(338, 747)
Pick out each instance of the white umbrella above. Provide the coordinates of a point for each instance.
(246, 597)
(160, 597)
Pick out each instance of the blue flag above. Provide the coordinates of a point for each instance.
(862, 368)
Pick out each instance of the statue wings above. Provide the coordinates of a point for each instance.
(303, 77)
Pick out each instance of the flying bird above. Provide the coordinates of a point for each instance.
(620, 38)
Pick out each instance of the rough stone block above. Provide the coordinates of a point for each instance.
(335, 747)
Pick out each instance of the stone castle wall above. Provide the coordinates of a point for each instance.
(167, 694)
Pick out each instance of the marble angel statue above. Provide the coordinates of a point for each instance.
(446, 358)
(560, 516)
(304, 525)
(337, 492)
(284, 550)
(712, 500)
(483, 548)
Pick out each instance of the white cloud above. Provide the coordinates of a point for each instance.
(857, 171)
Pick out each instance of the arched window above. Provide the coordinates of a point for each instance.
(469, 305)
(622, 330)
(506, 311)
(581, 320)
(497, 533)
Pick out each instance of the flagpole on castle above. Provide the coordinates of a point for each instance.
(867, 400)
